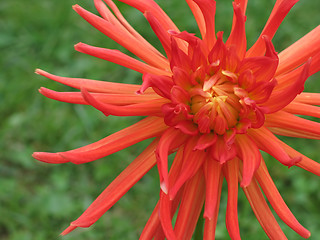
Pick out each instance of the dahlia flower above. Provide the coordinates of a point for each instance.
(215, 105)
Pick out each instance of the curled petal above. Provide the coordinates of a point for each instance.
(146, 128)
(94, 85)
(237, 37)
(170, 140)
(269, 143)
(208, 9)
(281, 98)
(275, 199)
(222, 152)
(161, 85)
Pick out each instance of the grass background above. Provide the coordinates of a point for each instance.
(37, 200)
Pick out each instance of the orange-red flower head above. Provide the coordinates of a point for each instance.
(214, 104)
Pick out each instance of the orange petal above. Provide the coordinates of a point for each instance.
(124, 181)
(279, 12)
(276, 201)
(144, 129)
(94, 85)
(150, 108)
(124, 38)
(119, 58)
(299, 52)
(263, 212)
(292, 123)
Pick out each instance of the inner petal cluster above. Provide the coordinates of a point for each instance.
(214, 91)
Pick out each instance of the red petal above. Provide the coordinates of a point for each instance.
(237, 36)
(190, 207)
(231, 172)
(208, 9)
(250, 155)
(213, 177)
(281, 98)
(170, 139)
(193, 160)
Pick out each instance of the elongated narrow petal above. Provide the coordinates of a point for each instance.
(153, 224)
(305, 163)
(231, 173)
(250, 155)
(170, 139)
(94, 85)
(281, 98)
(308, 98)
(124, 38)
(303, 109)
(190, 207)
(120, 58)
(269, 143)
(276, 201)
(193, 160)
(208, 9)
(295, 124)
(279, 12)
(150, 108)
(237, 37)
(115, 99)
(165, 216)
(213, 176)
(132, 174)
(263, 212)
(151, 126)
(299, 52)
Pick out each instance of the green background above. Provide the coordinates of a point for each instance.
(37, 200)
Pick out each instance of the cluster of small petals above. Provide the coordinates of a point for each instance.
(215, 104)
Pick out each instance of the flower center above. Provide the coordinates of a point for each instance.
(214, 104)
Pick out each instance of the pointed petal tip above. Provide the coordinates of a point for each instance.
(49, 157)
(164, 187)
(68, 230)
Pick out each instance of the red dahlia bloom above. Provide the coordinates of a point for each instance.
(214, 104)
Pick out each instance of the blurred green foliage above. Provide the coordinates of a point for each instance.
(38, 200)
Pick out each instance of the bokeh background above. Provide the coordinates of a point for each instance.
(37, 200)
